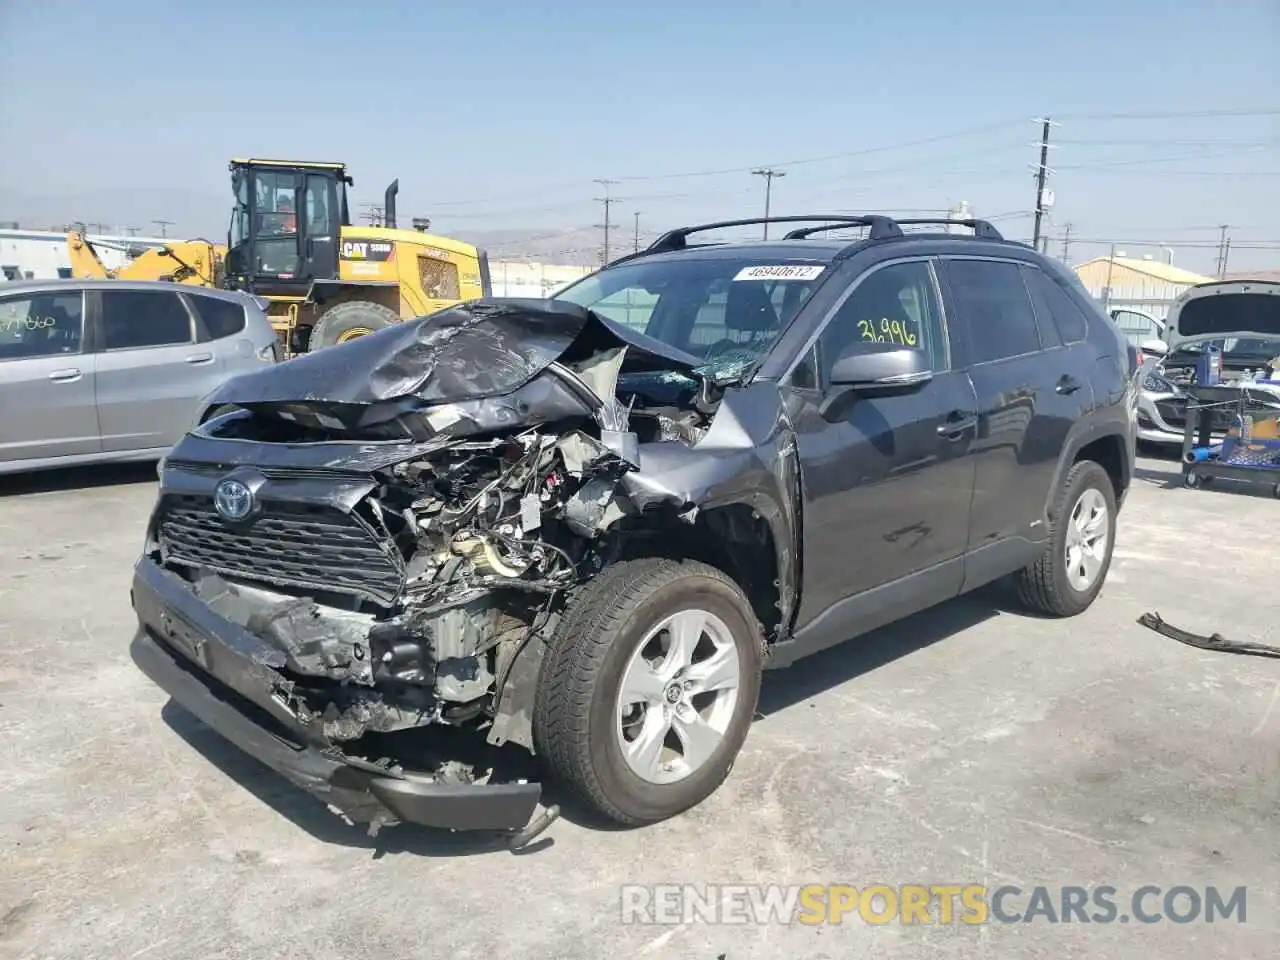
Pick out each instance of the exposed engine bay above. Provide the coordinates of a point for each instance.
(413, 532)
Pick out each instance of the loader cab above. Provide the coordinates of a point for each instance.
(285, 225)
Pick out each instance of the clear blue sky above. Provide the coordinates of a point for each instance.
(498, 115)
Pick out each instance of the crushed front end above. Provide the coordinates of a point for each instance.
(330, 570)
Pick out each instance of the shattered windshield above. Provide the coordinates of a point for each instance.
(726, 311)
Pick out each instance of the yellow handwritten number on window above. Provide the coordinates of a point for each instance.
(889, 331)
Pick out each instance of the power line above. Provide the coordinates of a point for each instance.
(863, 151)
(768, 173)
(1171, 115)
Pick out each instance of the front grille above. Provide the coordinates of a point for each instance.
(290, 544)
(1173, 412)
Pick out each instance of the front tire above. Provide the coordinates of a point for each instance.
(348, 321)
(1068, 576)
(648, 688)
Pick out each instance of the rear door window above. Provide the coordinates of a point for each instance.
(222, 318)
(41, 325)
(134, 318)
(1070, 321)
(995, 307)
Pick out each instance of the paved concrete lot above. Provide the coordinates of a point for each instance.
(970, 744)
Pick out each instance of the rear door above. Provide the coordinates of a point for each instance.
(1029, 394)
(151, 371)
(46, 378)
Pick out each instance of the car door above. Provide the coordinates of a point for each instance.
(221, 326)
(151, 371)
(46, 378)
(1030, 388)
(887, 481)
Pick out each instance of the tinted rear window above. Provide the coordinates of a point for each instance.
(1070, 321)
(994, 305)
(222, 318)
(1229, 312)
(133, 319)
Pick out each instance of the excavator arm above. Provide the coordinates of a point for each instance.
(194, 262)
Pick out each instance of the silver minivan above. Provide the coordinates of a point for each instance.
(114, 370)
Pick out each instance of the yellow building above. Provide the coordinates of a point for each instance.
(1136, 290)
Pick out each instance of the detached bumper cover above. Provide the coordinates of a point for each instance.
(225, 677)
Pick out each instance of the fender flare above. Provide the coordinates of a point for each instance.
(1077, 440)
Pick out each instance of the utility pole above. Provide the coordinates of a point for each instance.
(163, 225)
(1041, 172)
(1222, 250)
(608, 202)
(636, 246)
(1226, 252)
(768, 173)
(1066, 241)
(373, 213)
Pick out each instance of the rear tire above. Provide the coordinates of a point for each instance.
(348, 321)
(1068, 576)
(583, 718)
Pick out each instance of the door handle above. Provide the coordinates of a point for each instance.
(957, 424)
(70, 375)
(200, 358)
(1067, 385)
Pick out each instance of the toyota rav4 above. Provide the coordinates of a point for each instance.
(566, 536)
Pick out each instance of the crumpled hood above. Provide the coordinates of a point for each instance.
(477, 349)
(1239, 309)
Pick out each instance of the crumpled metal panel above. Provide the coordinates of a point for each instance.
(481, 348)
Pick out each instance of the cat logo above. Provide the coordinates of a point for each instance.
(377, 250)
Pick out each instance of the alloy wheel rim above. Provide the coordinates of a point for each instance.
(677, 697)
(1088, 536)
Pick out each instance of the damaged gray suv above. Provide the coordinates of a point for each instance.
(416, 571)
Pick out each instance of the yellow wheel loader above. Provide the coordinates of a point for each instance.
(292, 242)
(194, 262)
(327, 280)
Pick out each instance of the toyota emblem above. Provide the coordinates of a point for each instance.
(233, 500)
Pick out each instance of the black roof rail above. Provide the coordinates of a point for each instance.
(982, 229)
(881, 227)
(887, 228)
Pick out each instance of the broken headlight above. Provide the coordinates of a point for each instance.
(1154, 382)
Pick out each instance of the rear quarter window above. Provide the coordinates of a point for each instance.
(1071, 324)
(222, 318)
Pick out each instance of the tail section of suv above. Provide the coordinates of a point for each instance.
(577, 530)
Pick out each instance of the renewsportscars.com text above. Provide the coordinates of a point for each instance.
(971, 904)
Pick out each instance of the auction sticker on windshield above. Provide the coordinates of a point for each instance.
(781, 271)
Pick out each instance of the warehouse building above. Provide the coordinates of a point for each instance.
(42, 255)
(1136, 289)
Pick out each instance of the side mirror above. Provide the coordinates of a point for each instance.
(1154, 348)
(876, 370)
(881, 366)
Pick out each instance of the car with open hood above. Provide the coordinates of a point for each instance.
(1241, 318)
(419, 571)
